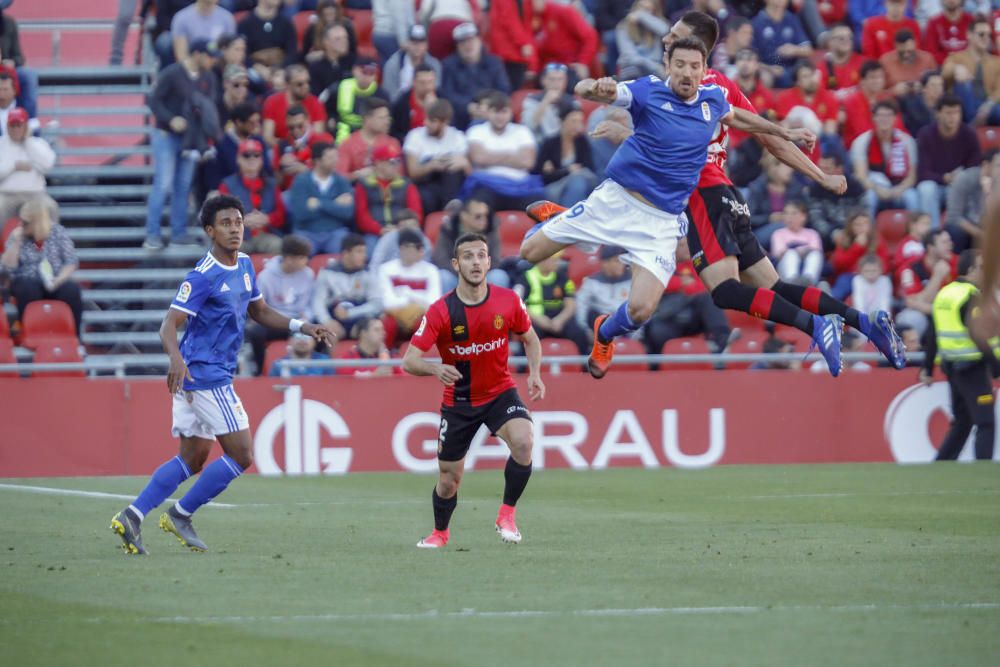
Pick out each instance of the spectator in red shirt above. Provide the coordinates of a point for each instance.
(905, 64)
(293, 155)
(922, 279)
(276, 106)
(911, 246)
(808, 93)
(563, 36)
(265, 216)
(946, 32)
(857, 239)
(840, 66)
(370, 333)
(511, 39)
(748, 79)
(383, 195)
(355, 156)
(878, 32)
(858, 105)
(832, 11)
(410, 110)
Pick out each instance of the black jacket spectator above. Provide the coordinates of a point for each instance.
(551, 151)
(462, 80)
(174, 90)
(263, 35)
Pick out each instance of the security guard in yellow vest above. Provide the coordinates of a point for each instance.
(967, 366)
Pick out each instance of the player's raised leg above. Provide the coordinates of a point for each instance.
(518, 434)
(644, 295)
(877, 326)
(444, 500)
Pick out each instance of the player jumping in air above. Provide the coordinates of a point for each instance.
(214, 299)
(728, 257)
(470, 327)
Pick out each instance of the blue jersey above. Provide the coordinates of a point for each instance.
(215, 296)
(663, 159)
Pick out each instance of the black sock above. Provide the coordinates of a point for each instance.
(817, 301)
(443, 507)
(763, 303)
(515, 478)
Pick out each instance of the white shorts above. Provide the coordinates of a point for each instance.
(206, 413)
(611, 216)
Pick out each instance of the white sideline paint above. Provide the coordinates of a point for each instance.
(859, 494)
(433, 614)
(77, 493)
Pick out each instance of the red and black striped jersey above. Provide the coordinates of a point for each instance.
(475, 340)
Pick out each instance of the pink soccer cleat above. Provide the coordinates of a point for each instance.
(435, 540)
(506, 526)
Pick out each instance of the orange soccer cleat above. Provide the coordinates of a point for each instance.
(544, 210)
(506, 525)
(435, 540)
(601, 355)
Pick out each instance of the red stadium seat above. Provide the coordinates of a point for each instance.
(362, 20)
(432, 225)
(517, 101)
(259, 259)
(513, 226)
(629, 346)
(47, 319)
(560, 347)
(891, 226)
(4, 324)
(57, 350)
(588, 107)
(989, 137)
(7, 356)
(581, 264)
(319, 262)
(751, 342)
(744, 321)
(303, 20)
(688, 345)
(275, 350)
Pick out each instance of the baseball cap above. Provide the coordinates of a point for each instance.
(250, 146)
(205, 46)
(366, 63)
(384, 152)
(611, 251)
(418, 33)
(234, 71)
(464, 31)
(17, 115)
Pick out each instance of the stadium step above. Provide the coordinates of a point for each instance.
(97, 111)
(138, 254)
(103, 171)
(96, 131)
(120, 338)
(130, 275)
(82, 212)
(97, 234)
(62, 75)
(118, 192)
(123, 316)
(163, 296)
(77, 151)
(99, 89)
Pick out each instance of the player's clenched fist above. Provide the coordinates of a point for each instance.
(448, 375)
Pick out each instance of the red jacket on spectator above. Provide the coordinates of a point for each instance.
(255, 189)
(912, 277)
(303, 154)
(510, 32)
(685, 280)
(12, 73)
(845, 260)
(276, 108)
(832, 11)
(763, 100)
(367, 221)
(878, 34)
(944, 37)
(910, 248)
(563, 36)
(824, 103)
(842, 78)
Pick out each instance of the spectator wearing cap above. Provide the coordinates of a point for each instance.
(885, 162)
(442, 17)
(293, 156)
(276, 106)
(287, 284)
(24, 161)
(40, 258)
(173, 102)
(944, 150)
(410, 109)
(808, 93)
(12, 60)
(235, 91)
(202, 21)
(400, 68)
(346, 290)
(974, 75)
(502, 153)
(408, 285)
(371, 336)
(565, 162)
(351, 94)
(437, 157)
(905, 64)
(356, 151)
(639, 38)
(333, 64)
(265, 211)
(322, 202)
(780, 40)
(603, 291)
(563, 36)
(271, 37)
(468, 71)
(382, 196)
(540, 111)
(301, 347)
(473, 218)
(878, 33)
(511, 38)
(244, 123)
(392, 27)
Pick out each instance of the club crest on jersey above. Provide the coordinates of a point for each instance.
(706, 111)
(246, 281)
(458, 330)
(184, 293)
(498, 321)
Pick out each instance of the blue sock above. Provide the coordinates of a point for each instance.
(164, 481)
(213, 480)
(619, 323)
(865, 324)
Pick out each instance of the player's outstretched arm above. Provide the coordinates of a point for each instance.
(790, 154)
(603, 90)
(741, 119)
(178, 370)
(533, 350)
(272, 319)
(415, 364)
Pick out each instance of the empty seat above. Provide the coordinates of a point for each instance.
(559, 347)
(687, 345)
(513, 226)
(320, 262)
(581, 264)
(58, 350)
(625, 346)
(275, 350)
(891, 226)
(432, 225)
(751, 342)
(989, 138)
(47, 319)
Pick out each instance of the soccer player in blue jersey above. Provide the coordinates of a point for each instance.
(649, 181)
(214, 299)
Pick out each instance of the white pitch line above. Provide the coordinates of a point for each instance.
(868, 494)
(434, 614)
(52, 491)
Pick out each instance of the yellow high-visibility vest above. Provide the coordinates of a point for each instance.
(954, 342)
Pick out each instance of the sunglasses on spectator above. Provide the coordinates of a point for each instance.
(556, 67)
(250, 155)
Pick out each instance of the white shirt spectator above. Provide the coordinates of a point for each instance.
(869, 297)
(192, 25)
(400, 285)
(423, 147)
(34, 151)
(513, 139)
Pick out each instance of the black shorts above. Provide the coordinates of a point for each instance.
(459, 423)
(719, 227)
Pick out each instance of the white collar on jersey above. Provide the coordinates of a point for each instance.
(687, 101)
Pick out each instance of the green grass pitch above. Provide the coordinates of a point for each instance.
(792, 565)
